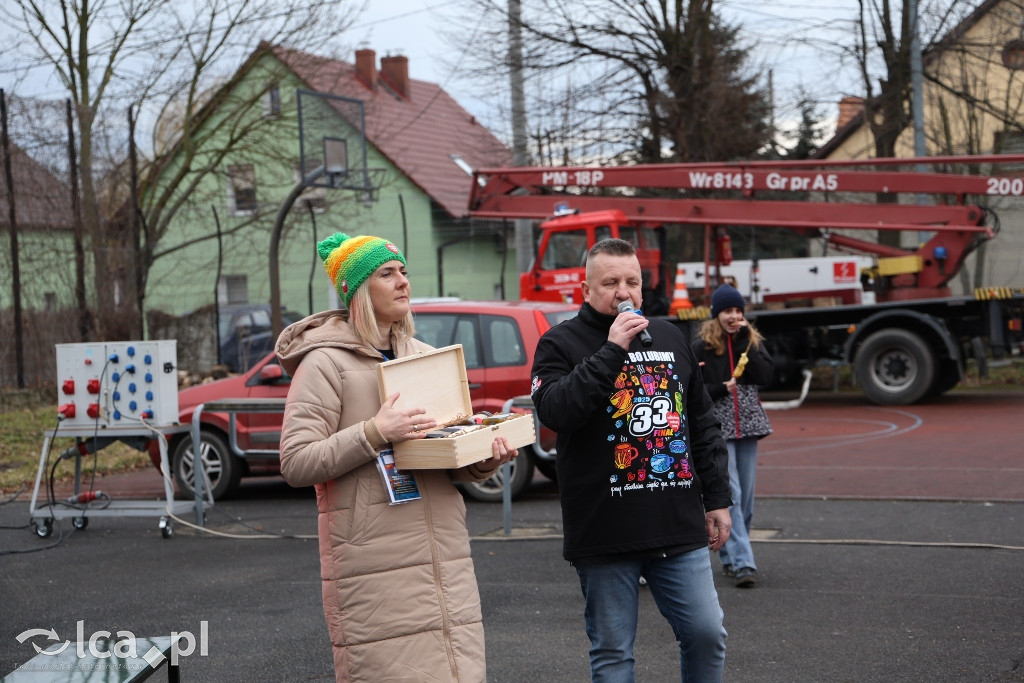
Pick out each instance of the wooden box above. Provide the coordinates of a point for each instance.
(436, 381)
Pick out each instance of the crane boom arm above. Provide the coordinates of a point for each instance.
(748, 194)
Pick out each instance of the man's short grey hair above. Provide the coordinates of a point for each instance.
(612, 246)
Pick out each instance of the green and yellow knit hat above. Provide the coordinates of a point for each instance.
(350, 260)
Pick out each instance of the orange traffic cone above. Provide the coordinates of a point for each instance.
(680, 297)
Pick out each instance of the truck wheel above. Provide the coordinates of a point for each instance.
(492, 491)
(222, 468)
(895, 367)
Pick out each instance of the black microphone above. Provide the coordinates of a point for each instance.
(645, 336)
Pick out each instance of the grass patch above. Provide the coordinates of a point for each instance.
(21, 439)
(1001, 374)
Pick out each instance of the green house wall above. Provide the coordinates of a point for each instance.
(185, 279)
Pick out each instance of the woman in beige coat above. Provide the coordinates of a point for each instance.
(399, 591)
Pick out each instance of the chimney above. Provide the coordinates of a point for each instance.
(366, 67)
(395, 71)
(849, 108)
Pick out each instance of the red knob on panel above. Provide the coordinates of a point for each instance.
(93, 386)
(68, 387)
(93, 410)
(67, 410)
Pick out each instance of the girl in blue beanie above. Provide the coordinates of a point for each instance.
(734, 361)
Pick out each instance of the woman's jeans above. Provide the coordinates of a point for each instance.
(684, 590)
(742, 478)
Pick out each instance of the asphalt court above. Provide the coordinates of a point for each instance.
(871, 568)
(966, 445)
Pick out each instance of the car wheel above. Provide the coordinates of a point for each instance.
(222, 468)
(492, 490)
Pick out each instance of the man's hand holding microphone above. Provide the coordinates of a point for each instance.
(626, 327)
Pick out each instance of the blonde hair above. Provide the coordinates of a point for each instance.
(713, 334)
(363, 319)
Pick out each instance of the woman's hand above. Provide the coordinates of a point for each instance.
(501, 453)
(730, 386)
(397, 425)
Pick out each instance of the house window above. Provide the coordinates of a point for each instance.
(312, 196)
(232, 289)
(242, 190)
(272, 101)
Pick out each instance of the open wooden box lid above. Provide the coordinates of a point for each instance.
(435, 381)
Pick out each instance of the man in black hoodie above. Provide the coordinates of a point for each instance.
(642, 470)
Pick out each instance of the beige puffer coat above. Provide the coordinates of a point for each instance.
(399, 591)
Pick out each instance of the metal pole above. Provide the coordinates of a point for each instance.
(315, 260)
(917, 102)
(916, 85)
(216, 284)
(506, 495)
(76, 213)
(521, 156)
(275, 241)
(19, 335)
(133, 170)
(198, 469)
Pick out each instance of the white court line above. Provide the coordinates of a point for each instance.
(892, 430)
(891, 468)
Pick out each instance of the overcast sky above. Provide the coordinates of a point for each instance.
(793, 39)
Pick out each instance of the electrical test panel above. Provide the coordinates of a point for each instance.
(117, 384)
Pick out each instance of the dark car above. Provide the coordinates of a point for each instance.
(246, 334)
(498, 340)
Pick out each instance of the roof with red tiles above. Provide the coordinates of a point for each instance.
(415, 124)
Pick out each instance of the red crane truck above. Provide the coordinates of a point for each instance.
(906, 339)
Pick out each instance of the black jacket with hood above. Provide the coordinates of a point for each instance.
(640, 453)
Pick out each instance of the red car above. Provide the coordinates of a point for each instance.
(498, 340)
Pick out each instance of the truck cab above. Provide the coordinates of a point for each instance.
(559, 265)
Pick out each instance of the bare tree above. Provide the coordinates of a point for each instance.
(626, 80)
(975, 89)
(151, 55)
(884, 38)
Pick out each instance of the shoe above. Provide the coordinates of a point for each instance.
(727, 571)
(643, 581)
(746, 577)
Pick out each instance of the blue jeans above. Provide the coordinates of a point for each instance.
(742, 478)
(684, 590)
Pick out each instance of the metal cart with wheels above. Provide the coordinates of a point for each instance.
(43, 514)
